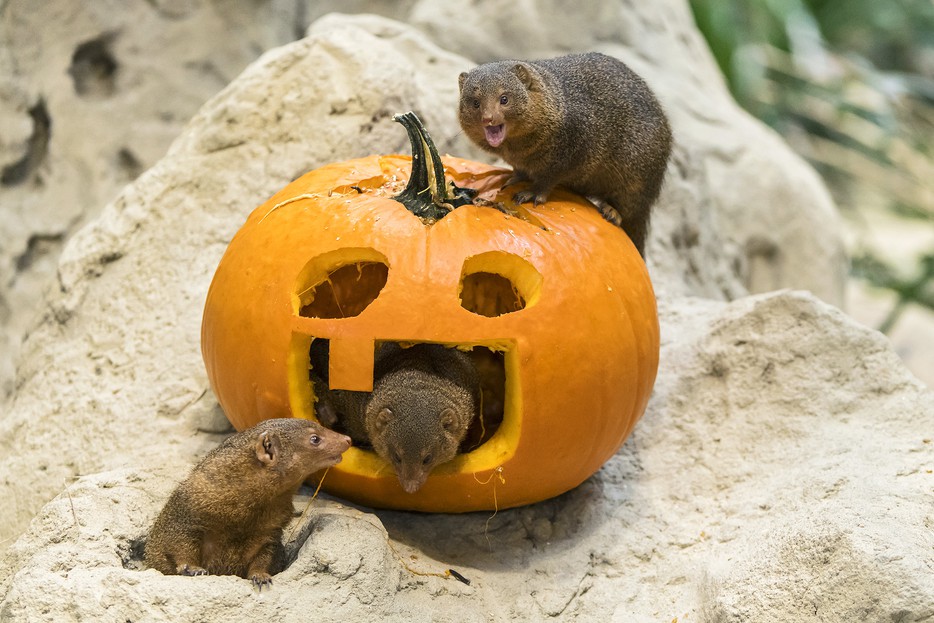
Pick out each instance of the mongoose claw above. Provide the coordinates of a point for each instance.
(192, 571)
(261, 580)
(610, 213)
(528, 196)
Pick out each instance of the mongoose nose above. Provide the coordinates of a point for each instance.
(410, 486)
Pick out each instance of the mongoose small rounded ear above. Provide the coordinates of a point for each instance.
(461, 79)
(268, 448)
(448, 419)
(524, 73)
(382, 419)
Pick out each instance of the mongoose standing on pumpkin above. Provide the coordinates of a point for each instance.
(227, 517)
(423, 401)
(585, 121)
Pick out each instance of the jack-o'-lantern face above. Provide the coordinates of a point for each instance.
(554, 304)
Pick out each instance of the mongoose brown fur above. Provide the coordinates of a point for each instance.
(423, 401)
(227, 516)
(585, 121)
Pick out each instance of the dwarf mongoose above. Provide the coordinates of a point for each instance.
(227, 516)
(424, 399)
(585, 121)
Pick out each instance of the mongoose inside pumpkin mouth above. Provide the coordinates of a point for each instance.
(491, 369)
(490, 441)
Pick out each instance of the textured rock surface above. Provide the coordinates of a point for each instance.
(781, 474)
(785, 450)
(115, 362)
(91, 95)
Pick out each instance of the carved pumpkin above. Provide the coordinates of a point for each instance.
(557, 296)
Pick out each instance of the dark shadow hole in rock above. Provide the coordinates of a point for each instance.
(132, 556)
(39, 246)
(491, 369)
(345, 292)
(685, 236)
(300, 529)
(129, 165)
(93, 68)
(760, 247)
(36, 150)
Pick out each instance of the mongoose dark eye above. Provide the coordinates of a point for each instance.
(503, 99)
(426, 460)
(476, 104)
(395, 457)
(315, 440)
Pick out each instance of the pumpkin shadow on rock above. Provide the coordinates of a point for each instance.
(519, 538)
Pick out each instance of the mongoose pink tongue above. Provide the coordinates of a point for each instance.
(495, 134)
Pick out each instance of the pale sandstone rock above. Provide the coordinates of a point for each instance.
(114, 363)
(767, 417)
(781, 475)
(91, 95)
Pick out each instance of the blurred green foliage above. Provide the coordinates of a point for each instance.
(850, 85)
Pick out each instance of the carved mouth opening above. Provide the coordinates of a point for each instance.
(491, 370)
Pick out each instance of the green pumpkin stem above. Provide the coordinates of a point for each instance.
(428, 194)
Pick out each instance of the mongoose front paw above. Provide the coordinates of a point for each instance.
(192, 570)
(261, 580)
(528, 196)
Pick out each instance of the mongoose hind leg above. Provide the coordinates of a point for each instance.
(175, 548)
(636, 225)
(608, 212)
(637, 228)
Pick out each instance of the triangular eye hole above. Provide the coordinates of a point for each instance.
(497, 283)
(340, 285)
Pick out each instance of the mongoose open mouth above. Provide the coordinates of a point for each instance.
(495, 134)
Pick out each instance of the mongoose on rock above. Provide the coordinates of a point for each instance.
(227, 516)
(424, 399)
(585, 121)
